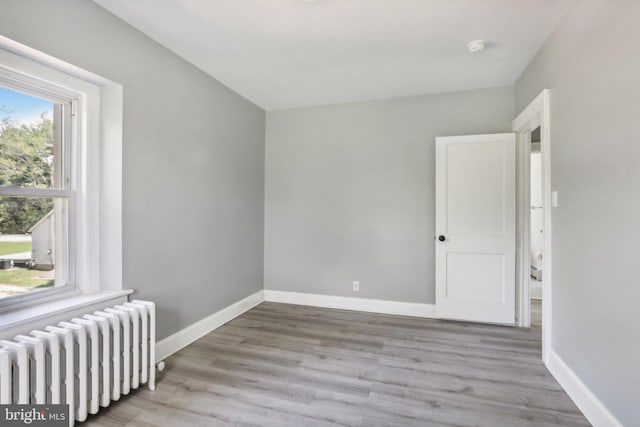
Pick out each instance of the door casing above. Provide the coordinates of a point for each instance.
(537, 114)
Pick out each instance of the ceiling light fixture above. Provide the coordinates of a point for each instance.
(477, 46)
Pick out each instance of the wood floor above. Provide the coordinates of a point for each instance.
(288, 365)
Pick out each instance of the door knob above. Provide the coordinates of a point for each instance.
(442, 238)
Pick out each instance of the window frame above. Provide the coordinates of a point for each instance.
(65, 223)
(95, 187)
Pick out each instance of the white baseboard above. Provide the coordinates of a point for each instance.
(191, 333)
(351, 303)
(184, 337)
(592, 408)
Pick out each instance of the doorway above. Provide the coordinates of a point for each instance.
(536, 227)
(534, 261)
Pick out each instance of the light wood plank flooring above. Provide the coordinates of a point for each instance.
(288, 365)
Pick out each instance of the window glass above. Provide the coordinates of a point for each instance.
(32, 244)
(27, 141)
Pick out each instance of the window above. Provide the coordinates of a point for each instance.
(35, 174)
(60, 179)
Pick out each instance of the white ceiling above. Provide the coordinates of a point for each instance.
(290, 53)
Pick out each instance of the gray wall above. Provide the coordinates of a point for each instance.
(350, 191)
(592, 66)
(193, 160)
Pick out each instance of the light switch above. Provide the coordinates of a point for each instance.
(554, 199)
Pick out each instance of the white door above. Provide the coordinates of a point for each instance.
(475, 227)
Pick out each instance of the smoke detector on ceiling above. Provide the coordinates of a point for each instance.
(477, 46)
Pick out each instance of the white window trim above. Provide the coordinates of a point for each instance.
(98, 191)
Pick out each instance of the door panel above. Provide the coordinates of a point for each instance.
(475, 196)
(475, 212)
(466, 270)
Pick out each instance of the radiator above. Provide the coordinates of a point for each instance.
(86, 362)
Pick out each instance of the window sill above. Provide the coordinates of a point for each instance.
(36, 313)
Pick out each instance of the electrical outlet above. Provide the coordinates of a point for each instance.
(356, 286)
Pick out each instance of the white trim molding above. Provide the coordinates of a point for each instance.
(176, 342)
(592, 408)
(536, 114)
(355, 304)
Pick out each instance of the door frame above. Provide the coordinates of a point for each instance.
(536, 114)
